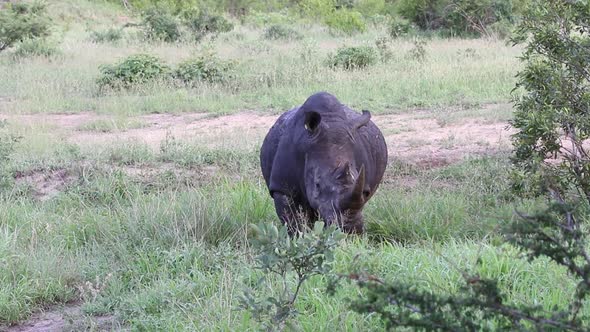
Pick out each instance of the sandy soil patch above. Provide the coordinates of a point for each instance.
(67, 318)
(46, 184)
(418, 138)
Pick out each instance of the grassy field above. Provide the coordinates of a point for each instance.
(130, 209)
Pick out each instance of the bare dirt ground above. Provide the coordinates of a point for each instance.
(416, 137)
(67, 318)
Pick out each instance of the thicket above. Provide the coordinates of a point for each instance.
(456, 17)
(139, 69)
(21, 21)
(132, 71)
(353, 57)
(478, 17)
(162, 24)
(204, 68)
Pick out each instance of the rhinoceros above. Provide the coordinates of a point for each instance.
(324, 160)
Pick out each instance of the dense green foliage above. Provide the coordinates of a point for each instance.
(203, 23)
(205, 68)
(281, 31)
(456, 17)
(460, 16)
(309, 254)
(345, 21)
(353, 57)
(399, 27)
(131, 71)
(552, 116)
(21, 21)
(160, 24)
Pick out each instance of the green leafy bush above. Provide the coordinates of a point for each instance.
(205, 68)
(204, 23)
(306, 255)
(316, 9)
(551, 154)
(133, 70)
(353, 57)
(22, 21)
(35, 47)
(345, 21)
(160, 25)
(460, 16)
(262, 19)
(106, 36)
(279, 31)
(399, 27)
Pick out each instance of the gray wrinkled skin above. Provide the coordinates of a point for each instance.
(323, 160)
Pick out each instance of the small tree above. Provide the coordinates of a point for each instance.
(302, 257)
(22, 21)
(553, 116)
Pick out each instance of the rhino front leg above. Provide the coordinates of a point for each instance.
(287, 212)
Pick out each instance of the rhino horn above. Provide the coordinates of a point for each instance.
(362, 120)
(359, 185)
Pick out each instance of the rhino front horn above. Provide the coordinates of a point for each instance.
(359, 185)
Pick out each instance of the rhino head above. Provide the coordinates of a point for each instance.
(334, 170)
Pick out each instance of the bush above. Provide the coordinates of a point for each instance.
(384, 48)
(460, 16)
(317, 9)
(160, 25)
(204, 23)
(279, 31)
(7, 145)
(35, 47)
(307, 254)
(106, 36)
(262, 19)
(205, 68)
(133, 70)
(22, 21)
(353, 57)
(551, 154)
(399, 27)
(346, 21)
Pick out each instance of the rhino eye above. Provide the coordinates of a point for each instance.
(366, 193)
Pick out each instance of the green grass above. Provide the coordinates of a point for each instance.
(173, 250)
(111, 125)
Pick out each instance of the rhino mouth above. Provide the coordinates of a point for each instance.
(348, 221)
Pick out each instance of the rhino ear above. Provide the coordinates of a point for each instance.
(362, 120)
(312, 121)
